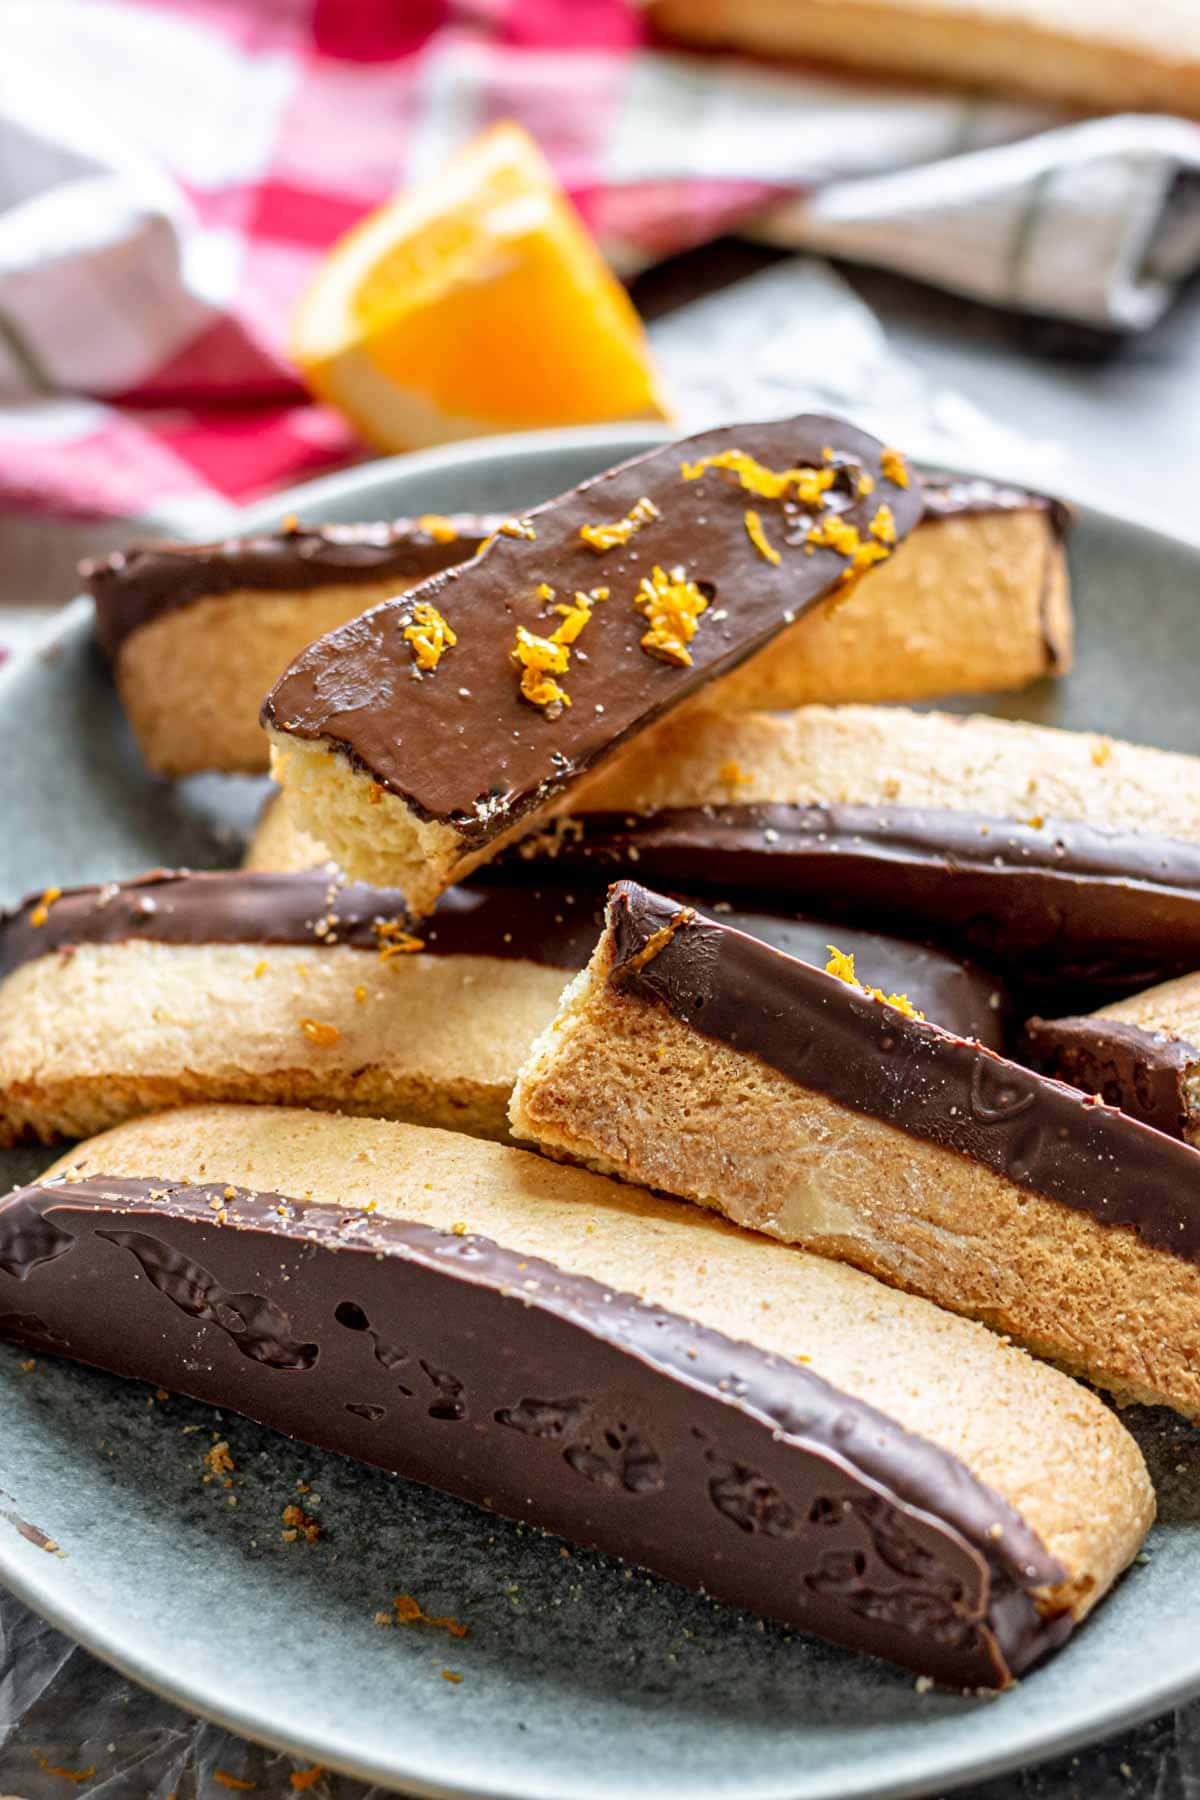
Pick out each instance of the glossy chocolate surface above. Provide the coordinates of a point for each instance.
(541, 1395)
(830, 1037)
(552, 924)
(1143, 1072)
(319, 909)
(131, 587)
(1071, 901)
(497, 755)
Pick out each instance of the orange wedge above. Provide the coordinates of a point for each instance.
(473, 304)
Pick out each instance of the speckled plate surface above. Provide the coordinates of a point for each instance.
(579, 1679)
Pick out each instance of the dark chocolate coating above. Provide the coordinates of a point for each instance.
(1068, 900)
(827, 1036)
(1142, 1072)
(971, 496)
(543, 1396)
(133, 586)
(551, 924)
(496, 755)
(543, 924)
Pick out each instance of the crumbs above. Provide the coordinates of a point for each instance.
(407, 1610)
(298, 1524)
(218, 1459)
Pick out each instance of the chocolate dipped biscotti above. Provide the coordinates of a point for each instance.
(975, 601)
(302, 988)
(1114, 57)
(773, 1428)
(795, 1101)
(1072, 852)
(421, 737)
(198, 632)
(1141, 1054)
(309, 990)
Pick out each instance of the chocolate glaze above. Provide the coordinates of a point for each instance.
(1143, 1072)
(1071, 901)
(133, 586)
(962, 496)
(544, 1396)
(316, 908)
(827, 1036)
(552, 924)
(498, 756)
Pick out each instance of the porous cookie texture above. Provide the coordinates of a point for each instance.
(112, 1031)
(1048, 1448)
(278, 845)
(192, 680)
(639, 1082)
(1106, 55)
(974, 603)
(880, 756)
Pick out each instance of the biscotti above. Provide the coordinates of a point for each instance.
(302, 989)
(198, 632)
(776, 1429)
(977, 600)
(575, 629)
(691, 1059)
(1141, 1054)
(1112, 57)
(1073, 852)
(306, 989)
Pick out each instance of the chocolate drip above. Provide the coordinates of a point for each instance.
(134, 586)
(700, 1457)
(498, 756)
(1143, 1072)
(1075, 902)
(825, 1035)
(553, 925)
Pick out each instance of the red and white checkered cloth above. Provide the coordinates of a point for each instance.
(170, 171)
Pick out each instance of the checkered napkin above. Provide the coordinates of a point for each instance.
(171, 170)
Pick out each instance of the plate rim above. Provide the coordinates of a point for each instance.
(18, 1567)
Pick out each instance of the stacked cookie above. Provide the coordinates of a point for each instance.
(813, 1405)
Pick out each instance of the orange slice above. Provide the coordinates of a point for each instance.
(474, 304)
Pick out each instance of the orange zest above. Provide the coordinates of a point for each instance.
(429, 635)
(758, 537)
(841, 965)
(607, 537)
(672, 605)
(808, 485)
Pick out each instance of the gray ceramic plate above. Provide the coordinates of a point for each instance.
(579, 1679)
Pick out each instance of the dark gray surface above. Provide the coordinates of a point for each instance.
(578, 1678)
